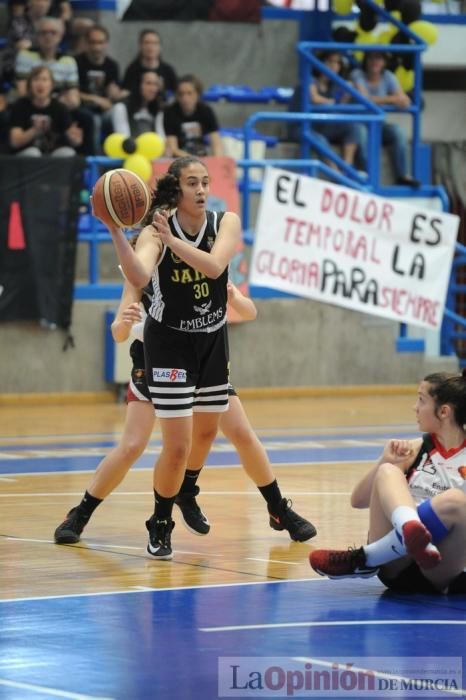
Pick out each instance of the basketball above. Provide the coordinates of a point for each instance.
(120, 197)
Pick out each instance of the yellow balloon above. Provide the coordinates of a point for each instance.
(140, 165)
(426, 31)
(342, 7)
(113, 146)
(150, 145)
(363, 38)
(385, 37)
(405, 78)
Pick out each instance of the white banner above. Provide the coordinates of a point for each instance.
(353, 249)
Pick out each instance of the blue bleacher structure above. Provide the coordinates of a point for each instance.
(92, 233)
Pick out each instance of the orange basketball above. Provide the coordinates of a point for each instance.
(120, 197)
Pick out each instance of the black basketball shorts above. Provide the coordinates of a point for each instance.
(185, 372)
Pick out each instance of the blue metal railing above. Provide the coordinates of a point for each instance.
(450, 334)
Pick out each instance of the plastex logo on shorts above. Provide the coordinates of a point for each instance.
(167, 374)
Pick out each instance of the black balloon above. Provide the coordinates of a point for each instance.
(129, 145)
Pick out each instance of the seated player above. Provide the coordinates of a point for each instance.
(416, 494)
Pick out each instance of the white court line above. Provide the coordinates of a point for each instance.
(139, 589)
(51, 691)
(333, 623)
(378, 674)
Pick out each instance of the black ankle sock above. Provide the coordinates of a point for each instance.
(163, 506)
(272, 495)
(189, 481)
(89, 504)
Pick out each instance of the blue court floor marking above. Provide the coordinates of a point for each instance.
(220, 442)
(119, 646)
(70, 457)
(277, 458)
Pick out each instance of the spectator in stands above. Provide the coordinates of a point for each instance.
(99, 77)
(324, 91)
(141, 111)
(189, 122)
(64, 69)
(376, 82)
(39, 123)
(21, 32)
(75, 27)
(149, 58)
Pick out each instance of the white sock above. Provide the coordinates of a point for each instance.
(391, 546)
(388, 548)
(401, 515)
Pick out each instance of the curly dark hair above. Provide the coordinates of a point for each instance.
(167, 190)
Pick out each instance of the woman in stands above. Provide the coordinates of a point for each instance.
(141, 111)
(190, 124)
(380, 85)
(39, 123)
(139, 424)
(416, 494)
(149, 58)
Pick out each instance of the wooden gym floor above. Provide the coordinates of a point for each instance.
(243, 591)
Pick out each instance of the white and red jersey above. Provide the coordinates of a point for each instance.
(436, 470)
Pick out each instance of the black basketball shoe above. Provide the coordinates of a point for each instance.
(69, 532)
(298, 528)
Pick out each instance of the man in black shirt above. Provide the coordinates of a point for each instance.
(99, 81)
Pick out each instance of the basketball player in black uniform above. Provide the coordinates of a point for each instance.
(185, 253)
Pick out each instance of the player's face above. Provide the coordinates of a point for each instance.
(425, 410)
(194, 184)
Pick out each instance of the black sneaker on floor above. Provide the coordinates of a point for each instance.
(69, 532)
(160, 531)
(299, 529)
(193, 517)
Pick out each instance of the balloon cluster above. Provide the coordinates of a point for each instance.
(406, 11)
(137, 153)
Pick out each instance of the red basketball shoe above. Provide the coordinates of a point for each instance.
(335, 563)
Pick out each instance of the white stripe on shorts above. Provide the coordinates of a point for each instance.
(218, 387)
(171, 389)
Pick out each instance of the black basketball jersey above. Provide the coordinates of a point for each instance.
(184, 298)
